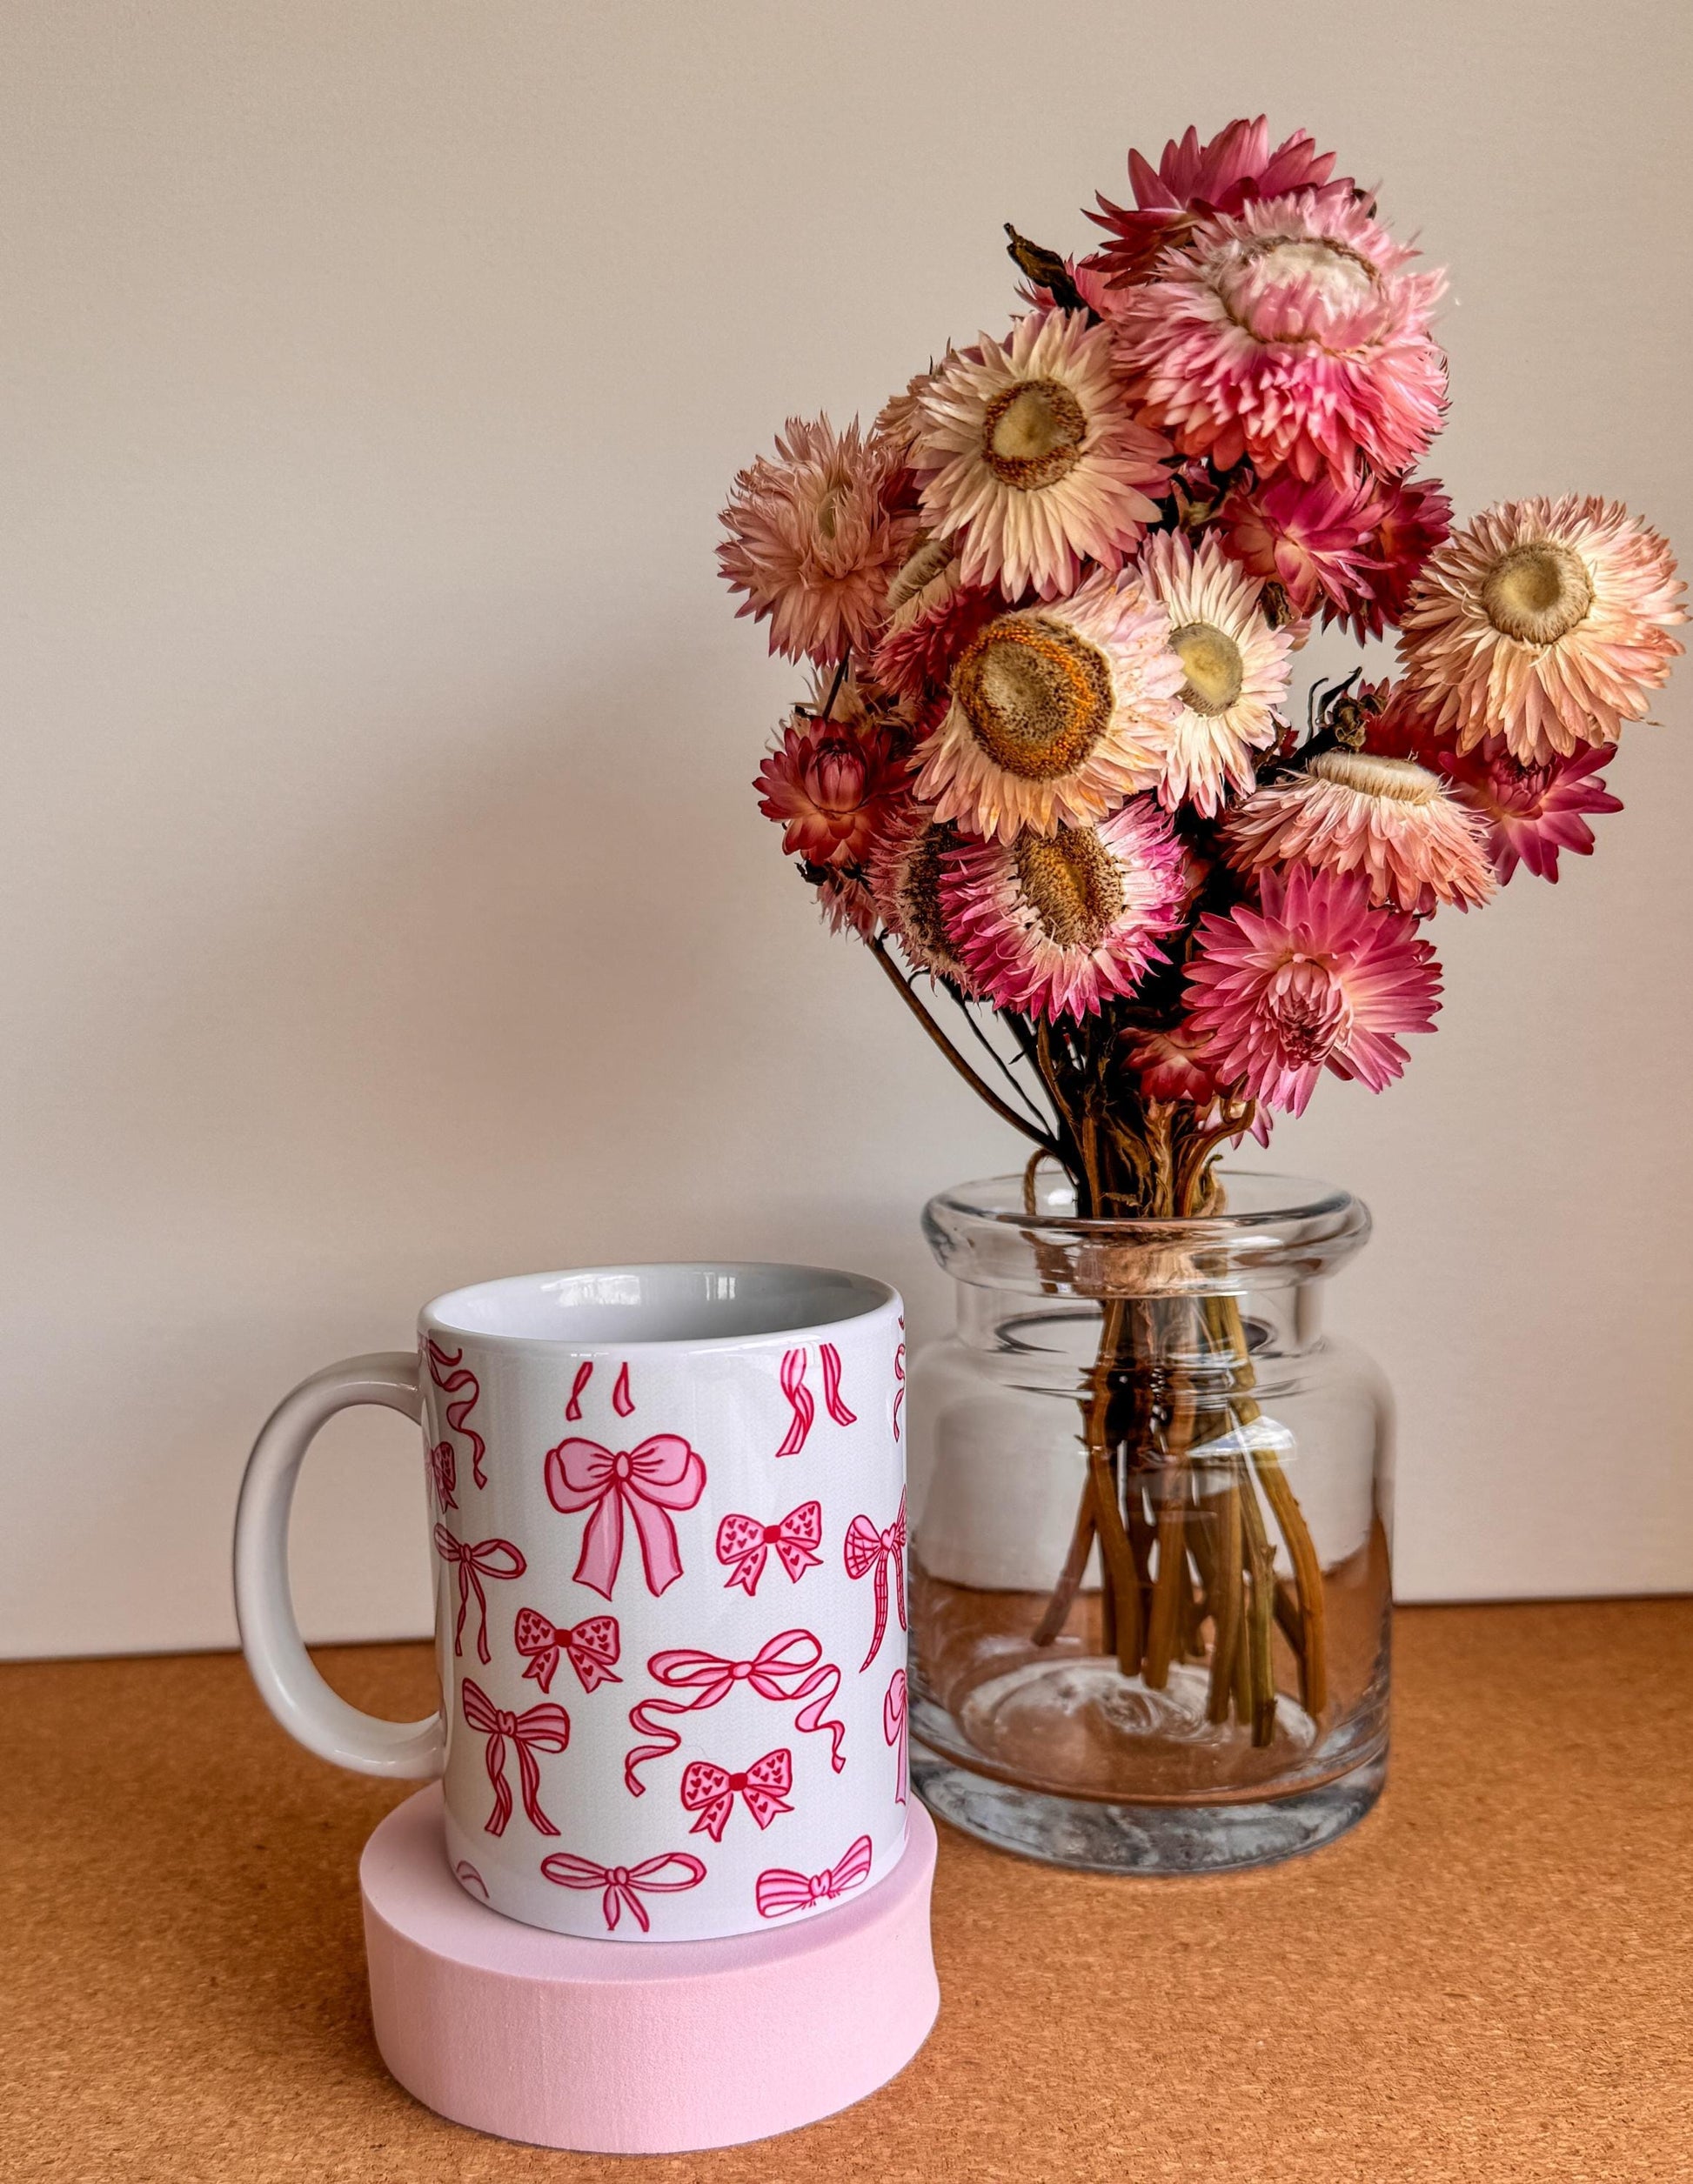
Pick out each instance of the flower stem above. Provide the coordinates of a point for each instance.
(983, 1091)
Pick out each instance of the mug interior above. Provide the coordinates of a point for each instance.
(683, 1303)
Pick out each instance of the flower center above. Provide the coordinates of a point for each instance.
(1307, 1006)
(1538, 592)
(920, 895)
(1296, 287)
(1037, 697)
(1215, 669)
(1398, 780)
(1032, 434)
(1072, 884)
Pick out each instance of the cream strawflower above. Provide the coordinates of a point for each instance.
(1352, 811)
(1545, 622)
(1030, 457)
(1234, 670)
(1057, 714)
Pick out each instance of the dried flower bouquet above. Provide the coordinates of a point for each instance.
(1052, 600)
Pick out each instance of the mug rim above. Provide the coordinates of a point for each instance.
(878, 1297)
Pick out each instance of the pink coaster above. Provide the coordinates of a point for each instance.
(663, 2047)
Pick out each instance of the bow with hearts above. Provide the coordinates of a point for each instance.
(591, 1647)
(662, 1475)
(711, 1792)
(743, 1543)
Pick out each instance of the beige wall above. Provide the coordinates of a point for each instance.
(385, 903)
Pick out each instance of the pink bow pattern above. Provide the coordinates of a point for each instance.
(444, 1470)
(799, 1399)
(711, 1792)
(787, 1667)
(623, 1886)
(483, 1559)
(542, 1729)
(898, 1375)
(866, 1549)
(662, 1475)
(591, 1647)
(896, 1730)
(779, 1890)
(743, 1543)
(449, 1374)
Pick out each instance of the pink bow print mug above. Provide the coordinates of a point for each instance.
(666, 1519)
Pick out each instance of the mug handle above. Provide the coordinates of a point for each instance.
(288, 1683)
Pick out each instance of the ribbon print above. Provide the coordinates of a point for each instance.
(896, 1729)
(711, 1792)
(866, 1549)
(898, 1375)
(591, 1648)
(623, 1886)
(622, 1402)
(786, 1669)
(662, 1475)
(485, 1558)
(449, 1374)
(798, 1401)
(743, 1544)
(444, 1470)
(573, 1408)
(800, 1398)
(781, 1890)
(542, 1729)
(467, 1877)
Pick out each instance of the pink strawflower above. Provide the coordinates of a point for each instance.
(1313, 536)
(1290, 333)
(1054, 924)
(1316, 978)
(829, 785)
(929, 628)
(1416, 518)
(1032, 460)
(1546, 622)
(1531, 812)
(1192, 178)
(1057, 714)
(1171, 1065)
(815, 536)
(906, 867)
(1175, 1064)
(1389, 819)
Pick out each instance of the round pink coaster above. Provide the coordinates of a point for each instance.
(659, 2048)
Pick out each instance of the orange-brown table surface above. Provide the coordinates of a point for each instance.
(1489, 1980)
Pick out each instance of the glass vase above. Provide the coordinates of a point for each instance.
(1149, 1511)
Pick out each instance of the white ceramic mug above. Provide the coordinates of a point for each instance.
(668, 1516)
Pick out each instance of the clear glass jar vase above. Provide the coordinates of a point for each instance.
(1149, 1509)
